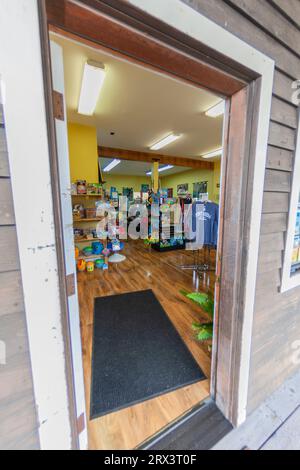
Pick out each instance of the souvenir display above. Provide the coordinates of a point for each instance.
(97, 248)
(90, 266)
(81, 265)
(81, 186)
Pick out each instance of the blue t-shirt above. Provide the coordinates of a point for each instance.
(211, 222)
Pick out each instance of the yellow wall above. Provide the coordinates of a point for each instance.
(190, 177)
(83, 149)
(120, 181)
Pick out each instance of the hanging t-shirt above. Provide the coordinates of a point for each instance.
(211, 223)
(201, 224)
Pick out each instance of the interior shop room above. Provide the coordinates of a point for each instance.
(146, 301)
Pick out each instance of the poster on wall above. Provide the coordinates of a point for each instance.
(163, 192)
(170, 192)
(199, 188)
(145, 188)
(182, 189)
(113, 191)
(128, 192)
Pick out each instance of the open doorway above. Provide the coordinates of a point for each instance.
(233, 70)
(110, 156)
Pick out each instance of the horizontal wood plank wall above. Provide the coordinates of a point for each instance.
(273, 27)
(18, 420)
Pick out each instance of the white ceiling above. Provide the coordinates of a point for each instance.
(127, 167)
(141, 106)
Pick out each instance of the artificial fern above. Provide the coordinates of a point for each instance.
(204, 300)
(204, 331)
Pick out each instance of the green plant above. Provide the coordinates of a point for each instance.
(204, 330)
(150, 241)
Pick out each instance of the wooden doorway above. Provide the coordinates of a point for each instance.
(130, 32)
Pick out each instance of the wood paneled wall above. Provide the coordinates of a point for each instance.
(18, 420)
(273, 27)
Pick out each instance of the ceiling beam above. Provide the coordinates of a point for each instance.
(148, 157)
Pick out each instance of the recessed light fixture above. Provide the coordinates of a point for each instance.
(215, 153)
(216, 110)
(165, 141)
(163, 168)
(111, 165)
(92, 81)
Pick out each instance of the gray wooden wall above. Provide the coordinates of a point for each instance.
(18, 420)
(273, 27)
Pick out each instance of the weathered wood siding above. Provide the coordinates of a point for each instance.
(18, 420)
(273, 27)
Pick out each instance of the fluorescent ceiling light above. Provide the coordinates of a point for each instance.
(216, 110)
(92, 81)
(111, 165)
(215, 153)
(163, 168)
(166, 141)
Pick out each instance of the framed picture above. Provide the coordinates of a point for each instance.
(144, 188)
(199, 188)
(128, 192)
(182, 189)
(170, 192)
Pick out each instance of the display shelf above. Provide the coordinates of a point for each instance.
(168, 226)
(167, 229)
(90, 257)
(157, 247)
(99, 196)
(88, 240)
(96, 219)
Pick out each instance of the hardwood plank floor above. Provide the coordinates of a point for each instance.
(145, 269)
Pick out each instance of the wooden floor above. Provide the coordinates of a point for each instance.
(144, 269)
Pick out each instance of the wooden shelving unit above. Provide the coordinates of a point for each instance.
(96, 219)
(90, 257)
(77, 221)
(99, 196)
(86, 240)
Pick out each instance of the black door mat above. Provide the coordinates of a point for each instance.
(137, 353)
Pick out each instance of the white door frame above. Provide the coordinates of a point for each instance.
(63, 160)
(27, 136)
